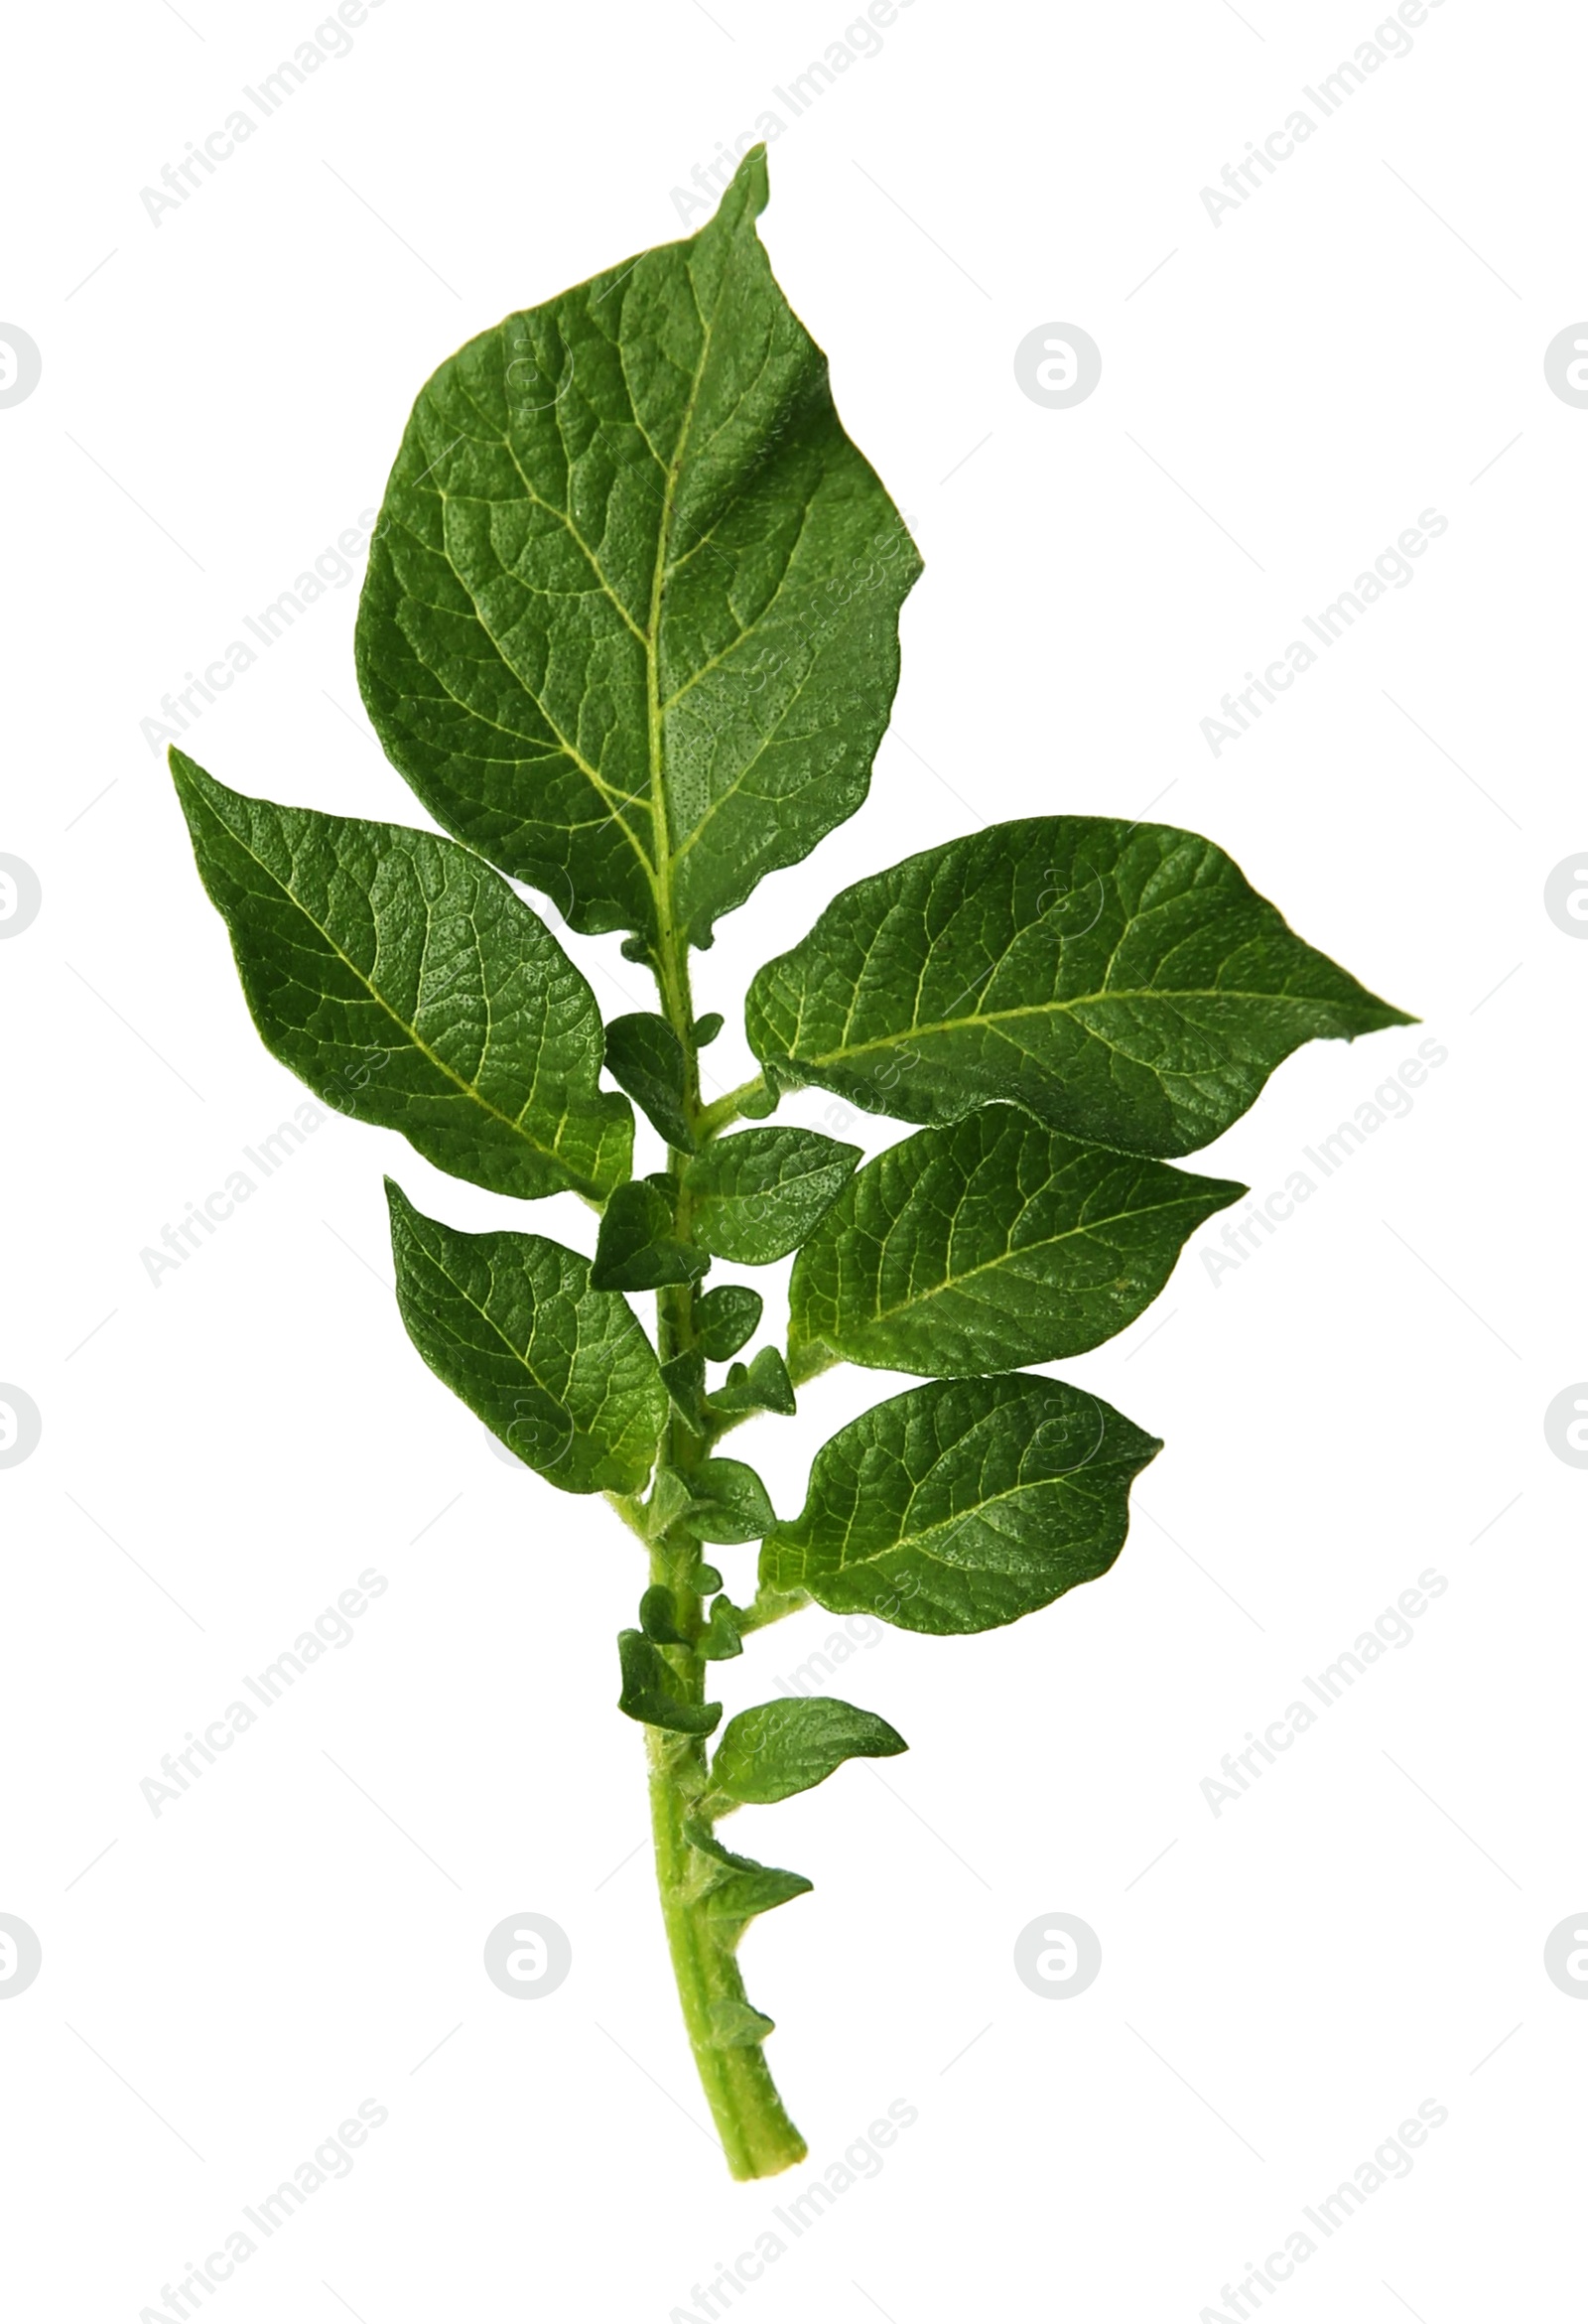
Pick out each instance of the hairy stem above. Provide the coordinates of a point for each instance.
(724, 1110)
(771, 1605)
(757, 2134)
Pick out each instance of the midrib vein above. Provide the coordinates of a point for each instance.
(662, 879)
(1011, 1255)
(1054, 1008)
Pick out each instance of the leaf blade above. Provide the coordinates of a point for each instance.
(1121, 982)
(403, 980)
(735, 1889)
(562, 1373)
(724, 1319)
(635, 1247)
(778, 1749)
(962, 1505)
(650, 1691)
(629, 624)
(761, 1384)
(991, 1243)
(755, 1197)
(645, 1058)
(727, 1503)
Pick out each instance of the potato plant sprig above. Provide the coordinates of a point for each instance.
(631, 632)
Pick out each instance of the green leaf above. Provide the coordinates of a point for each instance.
(962, 1505)
(724, 1319)
(734, 1888)
(650, 1689)
(729, 1503)
(708, 1027)
(703, 1579)
(407, 984)
(737, 2024)
(658, 1616)
(992, 1242)
(761, 1384)
(635, 1247)
(684, 1377)
(757, 1196)
(629, 625)
(780, 1748)
(560, 1373)
(1119, 981)
(645, 1056)
(720, 1640)
(669, 1500)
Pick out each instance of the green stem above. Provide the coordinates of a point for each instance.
(807, 1361)
(757, 2134)
(771, 1605)
(724, 1110)
(631, 1512)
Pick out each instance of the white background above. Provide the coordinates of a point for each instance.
(222, 1454)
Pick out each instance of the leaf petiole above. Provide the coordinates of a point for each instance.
(749, 1099)
(772, 1605)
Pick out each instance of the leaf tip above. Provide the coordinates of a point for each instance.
(752, 183)
(399, 1209)
(192, 783)
(1380, 1017)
